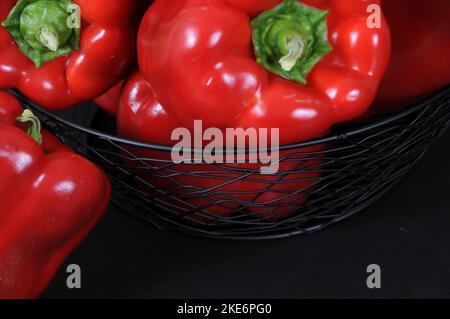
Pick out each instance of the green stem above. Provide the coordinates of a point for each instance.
(42, 30)
(34, 125)
(296, 48)
(48, 38)
(291, 39)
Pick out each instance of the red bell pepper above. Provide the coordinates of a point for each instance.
(300, 67)
(252, 64)
(420, 54)
(58, 64)
(50, 198)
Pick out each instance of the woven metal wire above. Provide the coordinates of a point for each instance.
(319, 183)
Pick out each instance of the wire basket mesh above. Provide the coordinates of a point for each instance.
(319, 182)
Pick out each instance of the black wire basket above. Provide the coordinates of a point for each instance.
(320, 182)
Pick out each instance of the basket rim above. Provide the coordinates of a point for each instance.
(385, 119)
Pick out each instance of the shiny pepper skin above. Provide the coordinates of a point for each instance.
(199, 59)
(106, 52)
(50, 198)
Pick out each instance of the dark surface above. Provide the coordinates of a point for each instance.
(407, 233)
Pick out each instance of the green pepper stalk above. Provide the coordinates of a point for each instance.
(42, 29)
(34, 125)
(291, 39)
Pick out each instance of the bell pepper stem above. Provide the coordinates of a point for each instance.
(48, 38)
(296, 48)
(41, 29)
(34, 125)
(290, 39)
(289, 3)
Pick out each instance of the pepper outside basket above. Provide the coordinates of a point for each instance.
(359, 163)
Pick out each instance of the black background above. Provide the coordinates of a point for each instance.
(407, 233)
